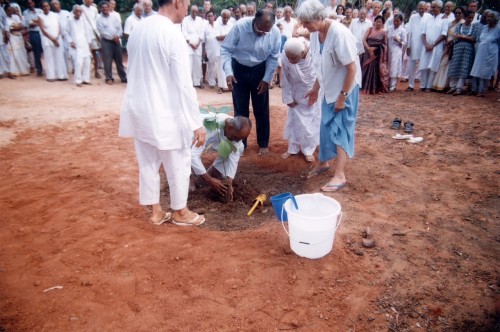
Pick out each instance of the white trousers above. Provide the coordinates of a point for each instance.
(412, 68)
(221, 76)
(82, 69)
(177, 166)
(196, 73)
(4, 59)
(212, 70)
(294, 148)
(426, 78)
(457, 83)
(392, 85)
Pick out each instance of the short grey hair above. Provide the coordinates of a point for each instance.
(310, 10)
(225, 11)
(377, 2)
(138, 5)
(294, 46)
(494, 13)
(438, 3)
(77, 7)
(422, 3)
(149, 2)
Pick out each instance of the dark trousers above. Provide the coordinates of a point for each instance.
(248, 80)
(36, 44)
(112, 51)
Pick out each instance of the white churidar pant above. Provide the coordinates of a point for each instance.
(177, 166)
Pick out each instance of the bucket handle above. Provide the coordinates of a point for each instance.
(282, 223)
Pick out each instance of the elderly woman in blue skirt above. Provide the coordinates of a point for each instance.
(333, 47)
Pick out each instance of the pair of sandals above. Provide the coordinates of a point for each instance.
(195, 221)
(408, 126)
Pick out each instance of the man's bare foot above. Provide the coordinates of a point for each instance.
(286, 155)
(263, 151)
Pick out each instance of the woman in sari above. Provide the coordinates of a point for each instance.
(441, 80)
(465, 36)
(17, 52)
(376, 60)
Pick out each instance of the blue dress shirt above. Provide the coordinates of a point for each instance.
(250, 49)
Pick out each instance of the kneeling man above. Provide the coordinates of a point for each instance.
(235, 129)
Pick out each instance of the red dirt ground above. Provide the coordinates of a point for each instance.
(71, 218)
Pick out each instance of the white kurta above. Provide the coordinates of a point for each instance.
(212, 50)
(55, 65)
(303, 121)
(17, 51)
(397, 42)
(415, 42)
(130, 23)
(230, 164)
(193, 31)
(359, 29)
(288, 27)
(89, 16)
(80, 34)
(160, 106)
(433, 28)
(221, 30)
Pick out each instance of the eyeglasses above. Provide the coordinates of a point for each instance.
(260, 32)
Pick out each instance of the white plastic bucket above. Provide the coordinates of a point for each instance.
(312, 226)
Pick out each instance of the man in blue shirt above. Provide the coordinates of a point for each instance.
(250, 56)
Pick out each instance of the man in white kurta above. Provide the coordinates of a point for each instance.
(193, 30)
(298, 77)
(132, 20)
(53, 49)
(222, 29)
(79, 39)
(358, 27)
(415, 43)
(89, 16)
(211, 48)
(288, 22)
(434, 31)
(160, 111)
(235, 130)
(64, 17)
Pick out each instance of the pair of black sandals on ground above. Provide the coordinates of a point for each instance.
(407, 126)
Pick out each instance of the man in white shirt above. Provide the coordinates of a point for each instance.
(358, 27)
(331, 9)
(288, 22)
(221, 31)
(147, 8)
(377, 10)
(235, 130)
(193, 29)
(473, 6)
(112, 12)
(161, 112)
(79, 39)
(64, 17)
(110, 31)
(132, 20)
(89, 16)
(434, 32)
(415, 42)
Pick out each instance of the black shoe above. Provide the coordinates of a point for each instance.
(396, 124)
(408, 127)
(124, 81)
(409, 88)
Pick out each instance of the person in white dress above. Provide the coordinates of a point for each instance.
(222, 29)
(80, 38)
(132, 20)
(17, 52)
(358, 27)
(193, 30)
(434, 32)
(64, 17)
(415, 43)
(53, 50)
(89, 16)
(397, 43)
(303, 121)
(212, 49)
(288, 22)
(160, 111)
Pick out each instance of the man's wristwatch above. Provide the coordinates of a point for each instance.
(343, 93)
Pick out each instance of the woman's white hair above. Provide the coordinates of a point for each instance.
(310, 10)
(294, 46)
(438, 3)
